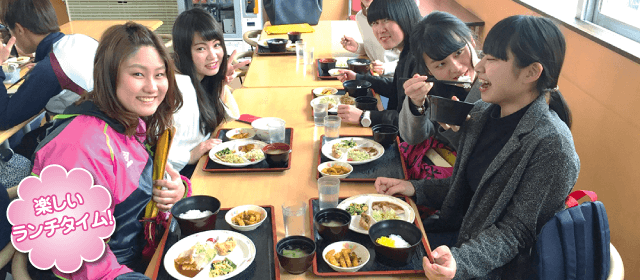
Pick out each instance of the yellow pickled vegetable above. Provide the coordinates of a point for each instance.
(386, 241)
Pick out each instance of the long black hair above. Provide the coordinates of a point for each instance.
(438, 35)
(186, 25)
(533, 39)
(404, 12)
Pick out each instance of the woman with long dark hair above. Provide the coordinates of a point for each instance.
(516, 160)
(201, 60)
(392, 22)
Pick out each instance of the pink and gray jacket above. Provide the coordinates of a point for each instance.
(86, 138)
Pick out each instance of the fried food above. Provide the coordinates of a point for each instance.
(241, 135)
(335, 170)
(347, 100)
(366, 221)
(193, 260)
(330, 256)
(246, 148)
(327, 91)
(385, 206)
(344, 258)
(247, 218)
(224, 248)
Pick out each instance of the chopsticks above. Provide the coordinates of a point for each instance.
(434, 80)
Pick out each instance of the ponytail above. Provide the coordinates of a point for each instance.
(559, 105)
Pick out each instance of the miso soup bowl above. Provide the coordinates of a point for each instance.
(296, 265)
(336, 232)
(448, 111)
(196, 202)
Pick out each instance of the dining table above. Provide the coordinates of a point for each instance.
(95, 28)
(299, 183)
(287, 71)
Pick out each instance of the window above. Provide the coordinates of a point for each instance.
(620, 16)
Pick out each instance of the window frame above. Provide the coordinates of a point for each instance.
(570, 18)
(588, 10)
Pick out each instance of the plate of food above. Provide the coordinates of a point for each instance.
(214, 254)
(367, 209)
(322, 91)
(354, 150)
(332, 100)
(238, 153)
(19, 60)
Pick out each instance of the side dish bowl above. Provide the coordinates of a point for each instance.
(237, 210)
(359, 250)
(329, 164)
(237, 133)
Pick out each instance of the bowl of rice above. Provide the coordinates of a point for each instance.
(395, 241)
(196, 213)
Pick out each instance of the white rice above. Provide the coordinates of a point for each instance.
(195, 214)
(399, 242)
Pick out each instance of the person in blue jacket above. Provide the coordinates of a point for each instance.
(64, 62)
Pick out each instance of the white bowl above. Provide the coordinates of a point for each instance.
(334, 163)
(318, 91)
(230, 133)
(237, 210)
(262, 130)
(334, 72)
(360, 250)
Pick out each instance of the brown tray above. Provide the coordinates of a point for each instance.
(260, 50)
(391, 164)
(264, 238)
(263, 166)
(373, 267)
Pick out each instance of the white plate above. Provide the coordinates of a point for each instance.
(235, 131)
(318, 91)
(234, 145)
(409, 215)
(360, 142)
(333, 109)
(19, 60)
(242, 256)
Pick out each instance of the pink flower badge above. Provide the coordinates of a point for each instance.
(61, 218)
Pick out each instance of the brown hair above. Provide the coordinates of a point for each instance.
(117, 44)
(38, 16)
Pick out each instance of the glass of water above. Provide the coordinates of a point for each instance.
(276, 131)
(301, 48)
(294, 213)
(320, 110)
(329, 191)
(332, 127)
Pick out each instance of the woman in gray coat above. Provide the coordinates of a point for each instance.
(516, 159)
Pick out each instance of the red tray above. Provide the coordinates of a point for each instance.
(392, 164)
(319, 71)
(372, 267)
(211, 166)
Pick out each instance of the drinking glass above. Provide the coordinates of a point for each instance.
(331, 127)
(320, 110)
(308, 56)
(301, 47)
(294, 213)
(276, 131)
(328, 190)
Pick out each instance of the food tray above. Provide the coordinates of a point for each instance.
(264, 238)
(373, 267)
(324, 76)
(260, 50)
(391, 164)
(263, 166)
